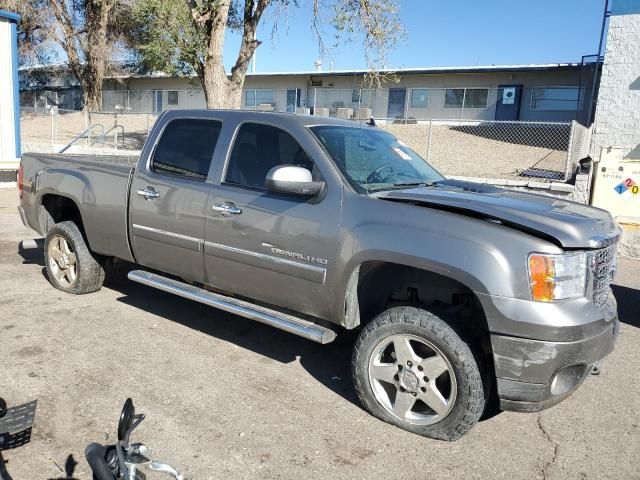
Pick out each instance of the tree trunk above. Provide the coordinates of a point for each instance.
(222, 91)
(97, 52)
(92, 93)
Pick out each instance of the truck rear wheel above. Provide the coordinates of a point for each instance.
(71, 267)
(411, 369)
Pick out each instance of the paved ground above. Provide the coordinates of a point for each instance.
(229, 398)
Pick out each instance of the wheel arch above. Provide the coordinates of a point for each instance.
(60, 208)
(372, 283)
(374, 286)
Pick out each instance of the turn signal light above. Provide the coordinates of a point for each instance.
(557, 277)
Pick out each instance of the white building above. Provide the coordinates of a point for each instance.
(552, 92)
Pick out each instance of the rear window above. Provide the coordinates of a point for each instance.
(186, 148)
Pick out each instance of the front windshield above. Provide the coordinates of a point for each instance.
(374, 160)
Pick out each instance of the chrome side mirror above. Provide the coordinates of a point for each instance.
(292, 180)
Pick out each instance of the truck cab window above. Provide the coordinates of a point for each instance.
(257, 149)
(186, 148)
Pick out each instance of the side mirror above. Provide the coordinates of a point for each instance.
(293, 180)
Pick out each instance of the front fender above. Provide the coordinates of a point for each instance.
(486, 257)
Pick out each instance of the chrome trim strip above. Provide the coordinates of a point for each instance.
(171, 238)
(268, 262)
(288, 323)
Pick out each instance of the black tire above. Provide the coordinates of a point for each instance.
(468, 402)
(89, 273)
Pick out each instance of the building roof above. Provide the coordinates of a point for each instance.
(130, 71)
(11, 16)
(433, 70)
(411, 70)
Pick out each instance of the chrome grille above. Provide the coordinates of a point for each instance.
(603, 269)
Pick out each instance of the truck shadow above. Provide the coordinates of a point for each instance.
(628, 301)
(31, 252)
(329, 364)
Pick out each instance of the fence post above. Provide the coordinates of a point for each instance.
(429, 141)
(87, 124)
(407, 99)
(464, 98)
(53, 127)
(568, 165)
(115, 130)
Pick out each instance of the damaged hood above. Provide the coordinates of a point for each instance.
(570, 224)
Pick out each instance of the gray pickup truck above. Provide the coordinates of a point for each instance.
(462, 294)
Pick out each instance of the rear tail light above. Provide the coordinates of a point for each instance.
(20, 180)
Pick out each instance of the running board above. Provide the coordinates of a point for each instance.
(288, 323)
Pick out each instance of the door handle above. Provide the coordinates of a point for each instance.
(148, 193)
(227, 209)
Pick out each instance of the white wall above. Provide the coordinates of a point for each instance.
(340, 87)
(617, 121)
(9, 115)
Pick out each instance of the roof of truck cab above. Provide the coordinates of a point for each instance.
(271, 117)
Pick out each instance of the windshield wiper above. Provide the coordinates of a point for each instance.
(413, 184)
(400, 185)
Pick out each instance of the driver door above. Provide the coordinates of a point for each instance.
(274, 248)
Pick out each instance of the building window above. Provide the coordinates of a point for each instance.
(264, 97)
(254, 98)
(419, 97)
(172, 97)
(551, 99)
(250, 98)
(472, 97)
(355, 96)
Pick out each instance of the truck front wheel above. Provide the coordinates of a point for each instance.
(71, 267)
(411, 369)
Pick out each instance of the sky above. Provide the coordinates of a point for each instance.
(444, 33)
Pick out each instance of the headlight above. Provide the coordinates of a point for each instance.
(557, 277)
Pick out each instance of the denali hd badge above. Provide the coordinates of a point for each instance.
(298, 256)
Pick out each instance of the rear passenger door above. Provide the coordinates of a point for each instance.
(275, 248)
(169, 196)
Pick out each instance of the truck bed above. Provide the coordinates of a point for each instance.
(98, 184)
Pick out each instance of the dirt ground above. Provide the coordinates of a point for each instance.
(229, 398)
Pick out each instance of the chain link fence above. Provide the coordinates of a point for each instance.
(537, 151)
(488, 149)
(57, 128)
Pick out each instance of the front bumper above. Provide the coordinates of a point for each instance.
(540, 362)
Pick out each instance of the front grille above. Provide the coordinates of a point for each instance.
(603, 269)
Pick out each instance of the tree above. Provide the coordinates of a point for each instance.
(88, 31)
(85, 30)
(187, 36)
